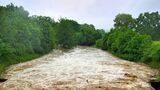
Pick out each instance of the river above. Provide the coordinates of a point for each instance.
(81, 68)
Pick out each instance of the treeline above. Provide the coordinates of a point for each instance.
(134, 39)
(146, 23)
(24, 37)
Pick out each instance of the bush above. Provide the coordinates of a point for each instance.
(126, 43)
(137, 45)
(99, 43)
(152, 55)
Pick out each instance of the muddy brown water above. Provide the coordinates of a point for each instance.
(81, 68)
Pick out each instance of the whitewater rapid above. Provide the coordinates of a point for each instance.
(81, 68)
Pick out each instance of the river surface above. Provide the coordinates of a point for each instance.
(81, 68)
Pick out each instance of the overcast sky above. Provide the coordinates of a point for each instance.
(100, 13)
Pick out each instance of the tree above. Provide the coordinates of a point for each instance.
(65, 33)
(149, 23)
(90, 35)
(46, 27)
(124, 20)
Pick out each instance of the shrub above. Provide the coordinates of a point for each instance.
(126, 43)
(99, 43)
(152, 55)
(136, 46)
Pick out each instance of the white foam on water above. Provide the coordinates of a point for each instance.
(80, 67)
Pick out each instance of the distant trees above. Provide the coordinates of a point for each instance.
(90, 35)
(65, 33)
(124, 20)
(69, 34)
(146, 23)
(149, 23)
(87, 33)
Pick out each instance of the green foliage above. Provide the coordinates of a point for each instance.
(116, 38)
(137, 45)
(65, 33)
(147, 23)
(47, 38)
(90, 35)
(152, 55)
(100, 33)
(22, 37)
(99, 43)
(5, 51)
(126, 43)
(69, 34)
(124, 20)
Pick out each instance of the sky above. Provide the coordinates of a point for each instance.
(100, 13)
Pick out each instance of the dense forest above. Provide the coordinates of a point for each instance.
(24, 37)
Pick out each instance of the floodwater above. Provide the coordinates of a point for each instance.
(81, 68)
